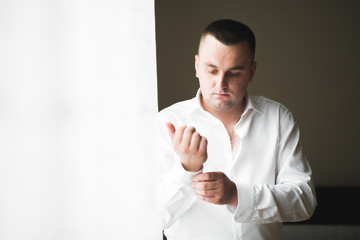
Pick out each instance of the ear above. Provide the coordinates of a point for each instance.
(253, 69)
(196, 65)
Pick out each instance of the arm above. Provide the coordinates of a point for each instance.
(182, 153)
(292, 197)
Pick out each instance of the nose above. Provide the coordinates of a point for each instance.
(221, 82)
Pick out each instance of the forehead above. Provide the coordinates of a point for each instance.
(213, 51)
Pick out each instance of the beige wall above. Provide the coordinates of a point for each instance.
(308, 59)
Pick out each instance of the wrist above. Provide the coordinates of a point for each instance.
(234, 198)
(191, 168)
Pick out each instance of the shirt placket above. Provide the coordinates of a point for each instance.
(241, 129)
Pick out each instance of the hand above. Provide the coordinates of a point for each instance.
(190, 147)
(215, 187)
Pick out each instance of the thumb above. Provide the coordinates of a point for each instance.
(171, 130)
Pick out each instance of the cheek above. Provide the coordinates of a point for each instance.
(241, 88)
(205, 88)
(207, 80)
(240, 83)
(206, 84)
(202, 85)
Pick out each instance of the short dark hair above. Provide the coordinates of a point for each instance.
(230, 32)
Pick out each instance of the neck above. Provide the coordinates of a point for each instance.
(231, 117)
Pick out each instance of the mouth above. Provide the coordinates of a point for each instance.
(221, 94)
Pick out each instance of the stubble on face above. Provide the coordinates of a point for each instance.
(222, 103)
(230, 96)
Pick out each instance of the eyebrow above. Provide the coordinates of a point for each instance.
(233, 68)
(237, 68)
(210, 65)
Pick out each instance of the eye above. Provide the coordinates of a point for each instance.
(212, 71)
(233, 73)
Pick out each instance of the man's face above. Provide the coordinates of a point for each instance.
(224, 73)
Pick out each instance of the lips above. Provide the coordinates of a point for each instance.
(221, 94)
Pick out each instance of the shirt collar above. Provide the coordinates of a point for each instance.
(250, 104)
(197, 103)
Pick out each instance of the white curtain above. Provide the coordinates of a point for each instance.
(77, 106)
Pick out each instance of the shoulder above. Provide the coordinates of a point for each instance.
(178, 112)
(272, 110)
(182, 107)
(178, 107)
(266, 105)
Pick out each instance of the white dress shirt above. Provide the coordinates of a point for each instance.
(270, 170)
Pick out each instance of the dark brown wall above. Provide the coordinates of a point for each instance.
(308, 59)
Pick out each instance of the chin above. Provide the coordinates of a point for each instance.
(223, 107)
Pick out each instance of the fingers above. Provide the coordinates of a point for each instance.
(208, 176)
(215, 187)
(210, 199)
(205, 188)
(195, 142)
(171, 130)
(178, 136)
(186, 139)
(190, 146)
(212, 192)
(207, 184)
(203, 145)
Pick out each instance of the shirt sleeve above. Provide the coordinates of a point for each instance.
(292, 197)
(174, 192)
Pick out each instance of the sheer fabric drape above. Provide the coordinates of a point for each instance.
(77, 106)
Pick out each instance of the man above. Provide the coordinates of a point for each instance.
(232, 164)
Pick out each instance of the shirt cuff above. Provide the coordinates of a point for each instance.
(179, 175)
(244, 211)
